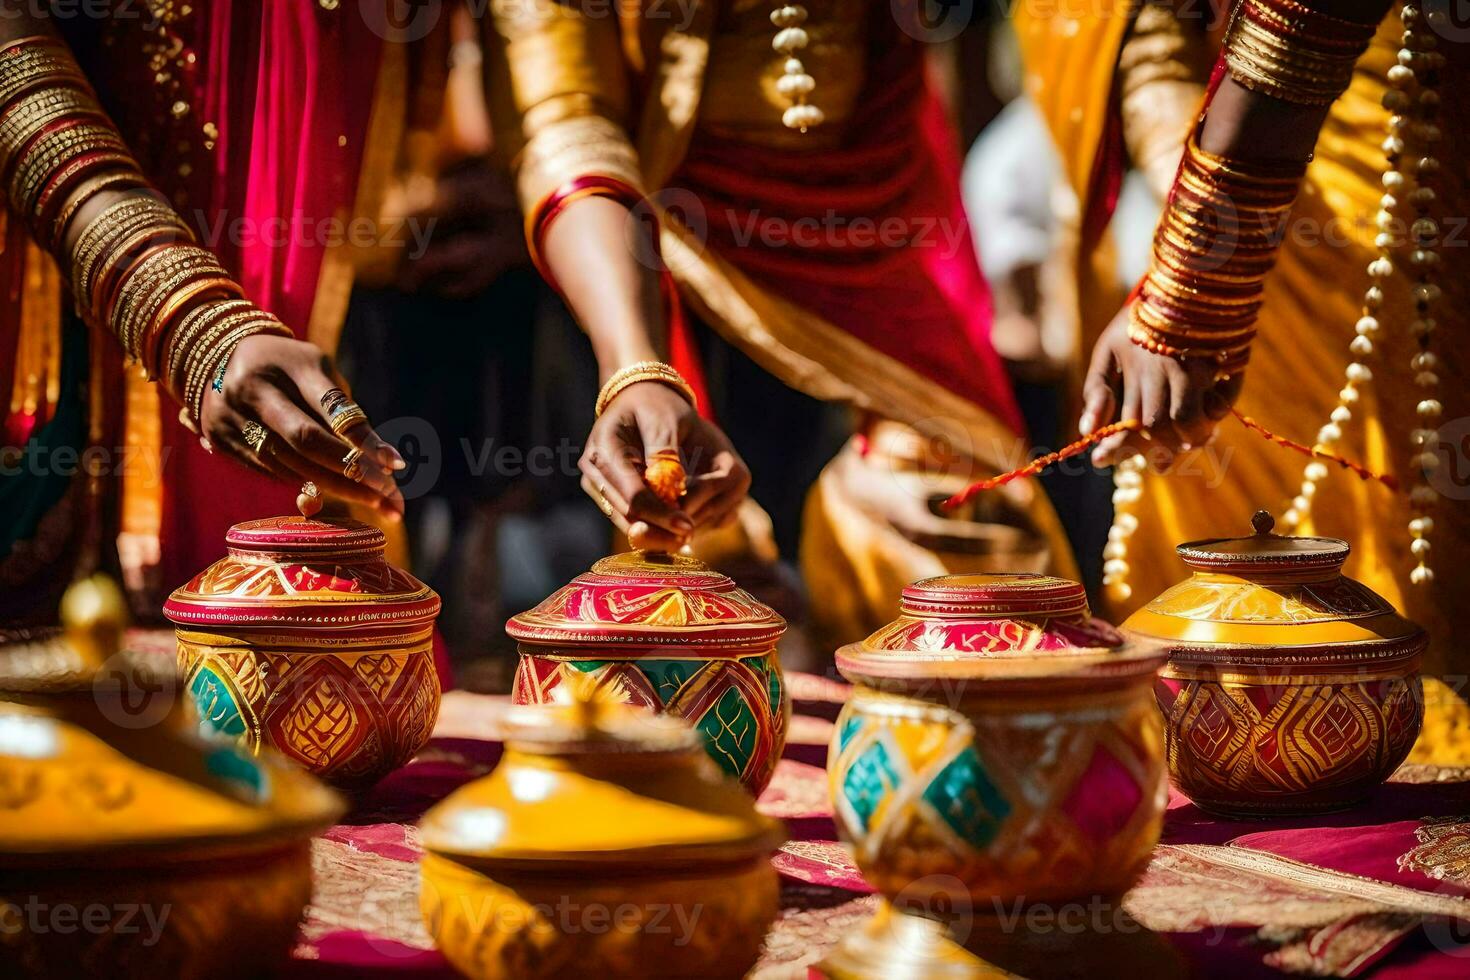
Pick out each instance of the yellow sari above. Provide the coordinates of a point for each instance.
(1312, 301)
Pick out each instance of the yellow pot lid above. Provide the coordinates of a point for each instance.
(90, 765)
(1271, 590)
(596, 783)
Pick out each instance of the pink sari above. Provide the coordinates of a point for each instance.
(257, 137)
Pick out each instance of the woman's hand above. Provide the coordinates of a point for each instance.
(1179, 402)
(278, 382)
(643, 419)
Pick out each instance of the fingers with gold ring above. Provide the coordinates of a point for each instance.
(352, 465)
(255, 436)
(603, 503)
(344, 414)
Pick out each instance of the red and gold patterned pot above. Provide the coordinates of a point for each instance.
(1000, 748)
(304, 638)
(666, 632)
(130, 846)
(606, 844)
(1290, 688)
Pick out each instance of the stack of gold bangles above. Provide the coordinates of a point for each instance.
(1221, 230)
(643, 371)
(1215, 244)
(134, 267)
(1293, 52)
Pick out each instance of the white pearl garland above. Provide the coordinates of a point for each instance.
(1127, 491)
(795, 84)
(1423, 62)
(1413, 104)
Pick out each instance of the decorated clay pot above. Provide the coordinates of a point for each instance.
(668, 633)
(607, 844)
(1290, 688)
(130, 846)
(1000, 749)
(305, 639)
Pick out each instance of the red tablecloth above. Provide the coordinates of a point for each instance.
(1383, 890)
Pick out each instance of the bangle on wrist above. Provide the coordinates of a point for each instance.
(644, 371)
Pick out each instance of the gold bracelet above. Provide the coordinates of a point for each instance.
(117, 221)
(150, 286)
(1292, 52)
(202, 362)
(261, 323)
(156, 327)
(195, 329)
(117, 175)
(22, 118)
(25, 68)
(50, 152)
(639, 372)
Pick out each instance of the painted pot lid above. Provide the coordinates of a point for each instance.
(999, 627)
(648, 599)
(1272, 591)
(304, 574)
(91, 767)
(594, 783)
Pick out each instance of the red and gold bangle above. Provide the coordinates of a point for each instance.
(193, 329)
(36, 62)
(157, 329)
(50, 152)
(151, 284)
(1215, 244)
(1293, 52)
(111, 227)
(70, 190)
(541, 217)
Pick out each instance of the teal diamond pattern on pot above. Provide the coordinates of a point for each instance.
(868, 780)
(667, 676)
(967, 800)
(215, 703)
(851, 725)
(729, 730)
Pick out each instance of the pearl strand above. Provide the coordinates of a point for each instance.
(1127, 491)
(1368, 327)
(1418, 59)
(795, 84)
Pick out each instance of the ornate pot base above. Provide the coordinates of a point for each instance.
(1259, 810)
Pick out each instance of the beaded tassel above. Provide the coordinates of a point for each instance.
(1422, 63)
(1413, 103)
(1127, 490)
(795, 84)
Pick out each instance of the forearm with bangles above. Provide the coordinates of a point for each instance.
(130, 259)
(1217, 241)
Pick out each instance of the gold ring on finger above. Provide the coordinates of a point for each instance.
(331, 398)
(255, 436)
(352, 465)
(344, 416)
